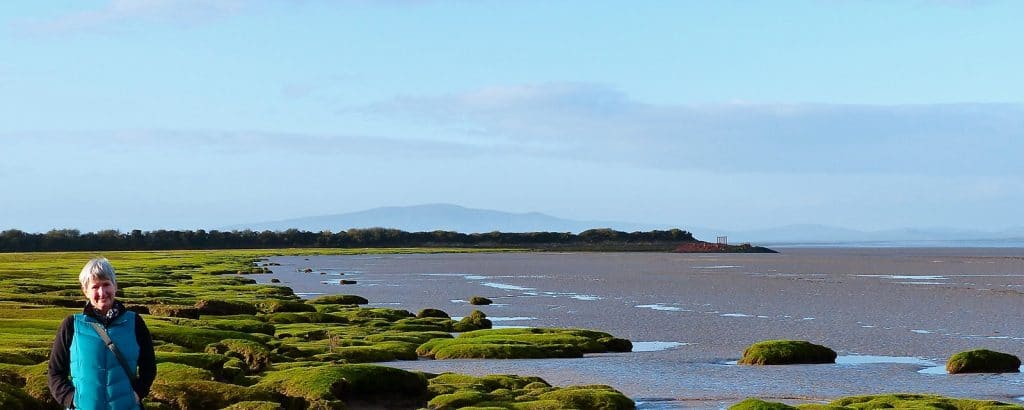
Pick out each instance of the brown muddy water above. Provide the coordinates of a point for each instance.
(894, 315)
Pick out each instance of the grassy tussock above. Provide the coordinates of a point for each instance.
(982, 361)
(773, 352)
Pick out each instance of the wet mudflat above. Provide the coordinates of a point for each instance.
(893, 315)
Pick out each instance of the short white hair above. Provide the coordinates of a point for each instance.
(98, 269)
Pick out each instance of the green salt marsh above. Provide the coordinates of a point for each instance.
(224, 341)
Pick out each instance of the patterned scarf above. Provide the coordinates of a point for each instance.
(108, 318)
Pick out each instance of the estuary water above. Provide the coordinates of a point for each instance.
(894, 315)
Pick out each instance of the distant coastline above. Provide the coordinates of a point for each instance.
(937, 243)
(603, 239)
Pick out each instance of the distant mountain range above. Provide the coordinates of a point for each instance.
(448, 217)
(445, 217)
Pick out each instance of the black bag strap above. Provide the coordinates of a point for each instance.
(117, 353)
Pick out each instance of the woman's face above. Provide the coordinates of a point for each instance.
(100, 293)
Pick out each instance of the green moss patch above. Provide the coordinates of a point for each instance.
(204, 394)
(425, 324)
(525, 343)
(173, 311)
(224, 307)
(196, 339)
(917, 401)
(306, 317)
(24, 356)
(255, 405)
(430, 312)
(773, 352)
(882, 401)
(983, 361)
(338, 300)
(517, 392)
(475, 321)
(255, 355)
(348, 382)
(244, 324)
(758, 404)
(206, 361)
(278, 305)
(14, 398)
(589, 397)
(168, 372)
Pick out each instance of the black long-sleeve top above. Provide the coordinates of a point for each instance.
(60, 356)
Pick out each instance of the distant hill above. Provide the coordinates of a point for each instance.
(445, 217)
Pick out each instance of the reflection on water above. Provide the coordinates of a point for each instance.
(942, 370)
(872, 359)
(906, 277)
(655, 346)
(505, 286)
(662, 307)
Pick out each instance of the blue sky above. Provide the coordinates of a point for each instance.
(189, 114)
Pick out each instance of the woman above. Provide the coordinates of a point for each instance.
(84, 373)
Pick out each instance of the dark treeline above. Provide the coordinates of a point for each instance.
(110, 240)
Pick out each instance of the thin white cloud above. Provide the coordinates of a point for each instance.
(595, 122)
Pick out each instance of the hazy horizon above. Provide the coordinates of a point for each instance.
(185, 114)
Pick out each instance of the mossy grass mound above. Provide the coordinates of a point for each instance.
(24, 356)
(244, 324)
(455, 381)
(475, 321)
(14, 398)
(412, 337)
(615, 344)
(517, 392)
(589, 397)
(33, 382)
(982, 361)
(758, 404)
(224, 307)
(255, 355)
(385, 386)
(278, 305)
(173, 311)
(196, 339)
(425, 324)
(479, 301)
(206, 361)
(916, 401)
(430, 312)
(255, 405)
(305, 317)
(882, 401)
(363, 315)
(381, 352)
(338, 300)
(504, 351)
(168, 372)
(204, 394)
(526, 343)
(773, 352)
